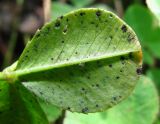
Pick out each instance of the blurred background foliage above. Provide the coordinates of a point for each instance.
(19, 20)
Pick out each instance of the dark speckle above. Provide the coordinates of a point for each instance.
(97, 85)
(110, 65)
(57, 24)
(97, 105)
(68, 108)
(85, 110)
(51, 58)
(117, 77)
(67, 19)
(120, 97)
(130, 38)
(82, 13)
(111, 37)
(38, 35)
(115, 98)
(88, 77)
(110, 16)
(122, 58)
(61, 17)
(76, 52)
(139, 71)
(92, 85)
(124, 28)
(121, 70)
(62, 41)
(98, 13)
(83, 89)
(41, 93)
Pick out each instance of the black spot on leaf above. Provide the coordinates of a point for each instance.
(57, 24)
(68, 108)
(130, 38)
(117, 77)
(98, 13)
(38, 35)
(115, 98)
(88, 77)
(139, 71)
(110, 16)
(82, 13)
(65, 29)
(83, 89)
(122, 58)
(124, 28)
(110, 65)
(85, 110)
(97, 105)
(67, 20)
(61, 17)
(97, 85)
(41, 93)
(110, 37)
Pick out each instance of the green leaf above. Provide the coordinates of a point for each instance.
(154, 74)
(81, 3)
(154, 6)
(82, 61)
(59, 8)
(52, 112)
(148, 32)
(18, 106)
(103, 6)
(140, 108)
(147, 57)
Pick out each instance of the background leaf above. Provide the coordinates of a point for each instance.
(18, 106)
(154, 74)
(148, 32)
(67, 67)
(140, 108)
(52, 112)
(59, 9)
(81, 3)
(154, 6)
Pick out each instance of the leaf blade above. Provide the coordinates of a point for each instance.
(85, 52)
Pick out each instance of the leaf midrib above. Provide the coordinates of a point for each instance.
(21, 72)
